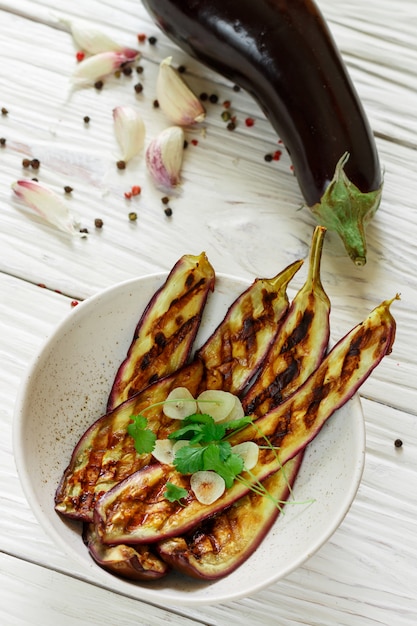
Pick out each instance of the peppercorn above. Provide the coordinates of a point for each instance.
(226, 116)
(138, 87)
(181, 69)
(249, 121)
(214, 98)
(98, 222)
(231, 125)
(398, 443)
(136, 190)
(236, 88)
(86, 119)
(26, 163)
(152, 40)
(268, 158)
(155, 104)
(74, 303)
(84, 230)
(127, 70)
(68, 189)
(4, 111)
(80, 55)
(98, 84)
(203, 96)
(168, 211)
(2, 141)
(35, 164)
(141, 37)
(165, 200)
(139, 69)
(133, 216)
(121, 165)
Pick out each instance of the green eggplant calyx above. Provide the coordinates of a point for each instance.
(346, 210)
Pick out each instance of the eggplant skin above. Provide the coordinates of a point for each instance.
(283, 54)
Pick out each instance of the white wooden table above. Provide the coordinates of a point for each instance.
(244, 213)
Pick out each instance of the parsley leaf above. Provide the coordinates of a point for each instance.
(189, 459)
(173, 493)
(143, 437)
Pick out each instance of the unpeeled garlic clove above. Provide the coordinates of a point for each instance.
(175, 98)
(94, 41)
(208, 486)
(47, 204)
(129, 129)
(164, 158)
(99, 66)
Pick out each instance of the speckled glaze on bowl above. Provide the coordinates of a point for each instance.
(66, 389)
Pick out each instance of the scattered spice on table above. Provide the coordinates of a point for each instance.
(398, 443)
(133, 216)
(121, 165)
(80, 56)
(35, 164)
(138, 87)
(99, 85)
(98, 222)
(168, 211)
(4, 111)
(68, 189)
(86, 119)
(152, 40)
(2, 141)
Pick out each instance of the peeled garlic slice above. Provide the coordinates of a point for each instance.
(249, 453)
(217, 403)
(164, 451)
(207, 486)
(179, 404)
(237, 412)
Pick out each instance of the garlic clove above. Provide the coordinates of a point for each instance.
(99, 66)
(249, 453)
(129, 129)
(48, 205)
(94, 41)
(219, 404)
(164, 157)
(164, 451)
(179, 404)
(175, 98)
(207, 486)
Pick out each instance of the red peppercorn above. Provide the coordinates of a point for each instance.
(277, 155)
(80, 56)
(227, 104)
(194, 142)
(136, 190)
(141, 37)
(128, 195)
(249, 121)
(74, 303)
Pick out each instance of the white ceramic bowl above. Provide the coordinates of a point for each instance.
(66, 389)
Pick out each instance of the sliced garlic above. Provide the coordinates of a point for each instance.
(207, 486)
(99, 66)
(249, 453)
(179, 404)
(129, 129)
(175, 98)
(219, 404)
(164, 158)
(181, 443)
(164, 451)
(237, 412)
(48, 205)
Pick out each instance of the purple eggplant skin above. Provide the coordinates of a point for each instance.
(283, 53)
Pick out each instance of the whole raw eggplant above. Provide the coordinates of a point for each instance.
(283, 54)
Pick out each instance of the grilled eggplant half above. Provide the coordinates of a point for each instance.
(166, 331)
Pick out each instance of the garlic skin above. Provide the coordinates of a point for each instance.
(129, 129)
(99, 66)
(164, 157)
(94, 41)
(48, 205)
(175, 98)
